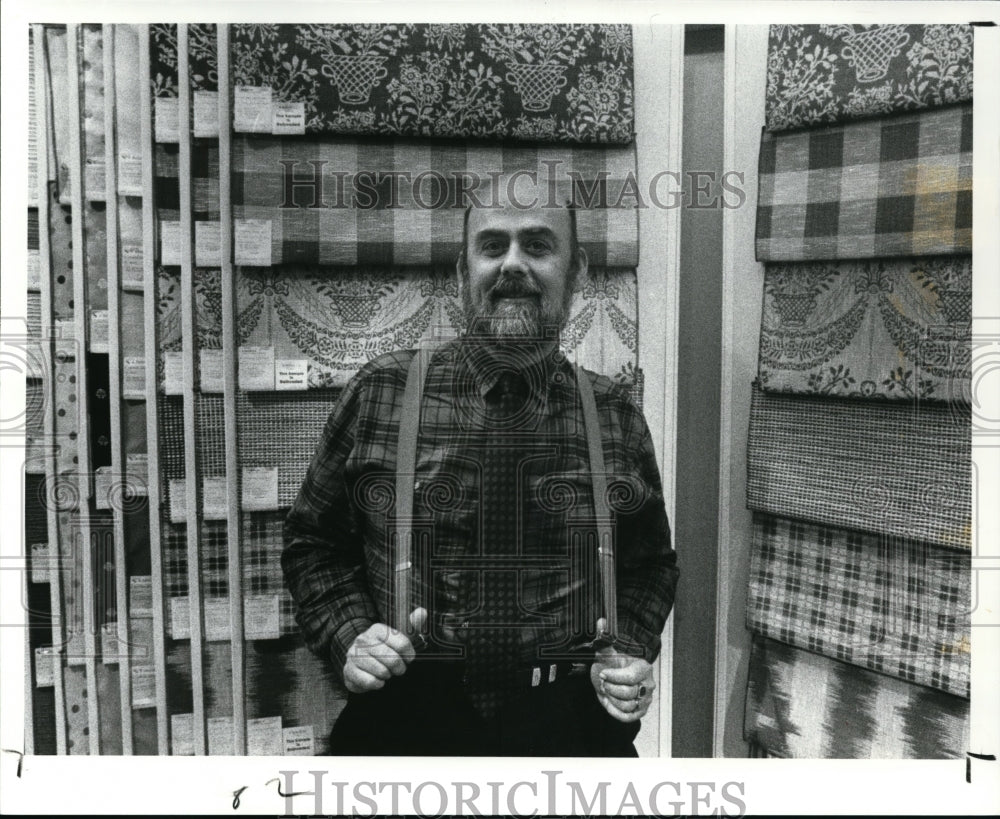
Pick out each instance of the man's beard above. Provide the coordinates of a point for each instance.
(514, 307)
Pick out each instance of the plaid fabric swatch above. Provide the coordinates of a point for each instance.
(887, 604)
(896, 186)
(885, 328)
(340, 322)
(556, 83)
(261, 547)
(336, 201)
(805, 706)
(204, 181)
(884, 467)
(819, 74)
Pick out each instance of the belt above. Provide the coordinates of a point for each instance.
(548, 673)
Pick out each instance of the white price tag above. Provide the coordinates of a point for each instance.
(143, 686)
(264, 737)
(180, 618)
(207, 244)
(165, 119)
(256, 368)
(173, 373)
(217, 623)
(137, 473)
(288, 118)
(220, 736)
(130, 174)
(252, 109)
(99, 331)
(252, 242)
(132, 272)
(102, 487)
(40, 569)
(213, 493)
(170, 243)
(140, 599)
(134, 378)
(260, 489)
(299, 741)
(206, 113)
(210, 371)
(291, 373)
(66, 338)
(182, 734)
(45, 666)
(261, 617)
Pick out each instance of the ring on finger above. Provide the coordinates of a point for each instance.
(641, 693)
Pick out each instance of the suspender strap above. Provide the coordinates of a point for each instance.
(599, 478)
(409, 427)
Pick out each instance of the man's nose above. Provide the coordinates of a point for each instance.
(514, 260)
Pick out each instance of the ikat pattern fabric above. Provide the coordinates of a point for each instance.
(802, 705)
(881, 328)
(820, 74)
(891, 605)
(891, 468)
(894, 186)
(549, 83)
(337, 201)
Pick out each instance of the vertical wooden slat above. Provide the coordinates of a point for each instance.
(48, 385)
(742, 294)
(152, 414)
(83, 437)
(233, 533)
(659, 79)
(114, 366)
(190, 352)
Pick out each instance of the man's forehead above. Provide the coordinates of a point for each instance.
(519, 220)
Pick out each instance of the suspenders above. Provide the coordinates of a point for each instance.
(406, 466)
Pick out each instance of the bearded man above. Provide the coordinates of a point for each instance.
(480, 545)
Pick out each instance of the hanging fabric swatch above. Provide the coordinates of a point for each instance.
(891, 605)
(57, 54)
(401, 202)
(338, 322)
(895, 186)
(819, 74)
(128, 127)
(805, 706)
(163, 81)
(262, 544)
(554, 83)
(884, 467)
(92, 112)
(885, 328)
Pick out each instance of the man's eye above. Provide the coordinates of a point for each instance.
(537, 247)
(491, 247)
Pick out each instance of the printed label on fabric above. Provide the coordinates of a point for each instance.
(291, 374)
(166, 113)
(99, 331)
(261, 617)
(131, 269)
(182, 734)
(45, 666)
(34, 270)
(299, 741)
(252, 112)
(264, 737)
(134, 378)
(173, 373)
(170, 243)
(256, 368)
(129, 174)
(95, 179)
(213, 492)
(252, 242)
(207, 244)
(102, 487)
(289, 119)
(206, 113)
(66, 338)
(143, 686)
(260, 488)
(111, 646)
(220, 736)
(137, 473)
(210, 370)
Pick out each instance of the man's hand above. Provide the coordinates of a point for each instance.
(624, 684)
(379, 654)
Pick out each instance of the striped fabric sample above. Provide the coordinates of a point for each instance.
(557, 83)
(887, 604)
(890, 468)
(818, 74)
(340, 322)
(896, 186)
(886, 328)
(336, 201)
(805, 706)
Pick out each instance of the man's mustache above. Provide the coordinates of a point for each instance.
(510, 287)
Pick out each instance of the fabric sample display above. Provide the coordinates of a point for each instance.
(884, 328)
(887, 604)
(57, 113)
(337, 201)
(340, 321)
(163, 59)
(208, 309)
(262, 544)
(92, 112)
(128, 126)
(819, 74)
(805, 706)
(885, 467)
(204, 181)
(203, 56)
(895, 186)
(95, 235)
(559, 83)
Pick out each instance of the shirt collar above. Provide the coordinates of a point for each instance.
(487, 358)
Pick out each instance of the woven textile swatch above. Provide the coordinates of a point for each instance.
(805, 706)
(885, 328)
(884, 467)
(895, 186)
(821, 74)
(560, 83)
(92, 112)
(887, 604)
(340, 322)
(336, 201)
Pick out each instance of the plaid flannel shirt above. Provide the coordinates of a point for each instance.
(336, 561)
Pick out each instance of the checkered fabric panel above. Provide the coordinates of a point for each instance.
(282, 430)
(204, 181)
(886, 467)
(802, 705)
(337, 201)
(261, 547)
(891, 605)
(173, 550)
(895, 186)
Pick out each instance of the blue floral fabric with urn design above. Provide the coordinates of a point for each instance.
(546, 83)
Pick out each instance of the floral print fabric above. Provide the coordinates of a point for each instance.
(829, 73)
(553, 83)
(893, 328)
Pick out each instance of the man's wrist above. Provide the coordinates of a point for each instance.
(344, 637)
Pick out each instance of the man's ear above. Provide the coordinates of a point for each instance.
(461, 271)
(582, 263)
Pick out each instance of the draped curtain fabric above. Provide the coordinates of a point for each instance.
(884, 467)
(895, 186)
(805, 706)
(558, 83)
(401, 202)
(881, 328)
(887, 604)
(819, 74)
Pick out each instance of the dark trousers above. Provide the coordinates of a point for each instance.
(425, 712)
